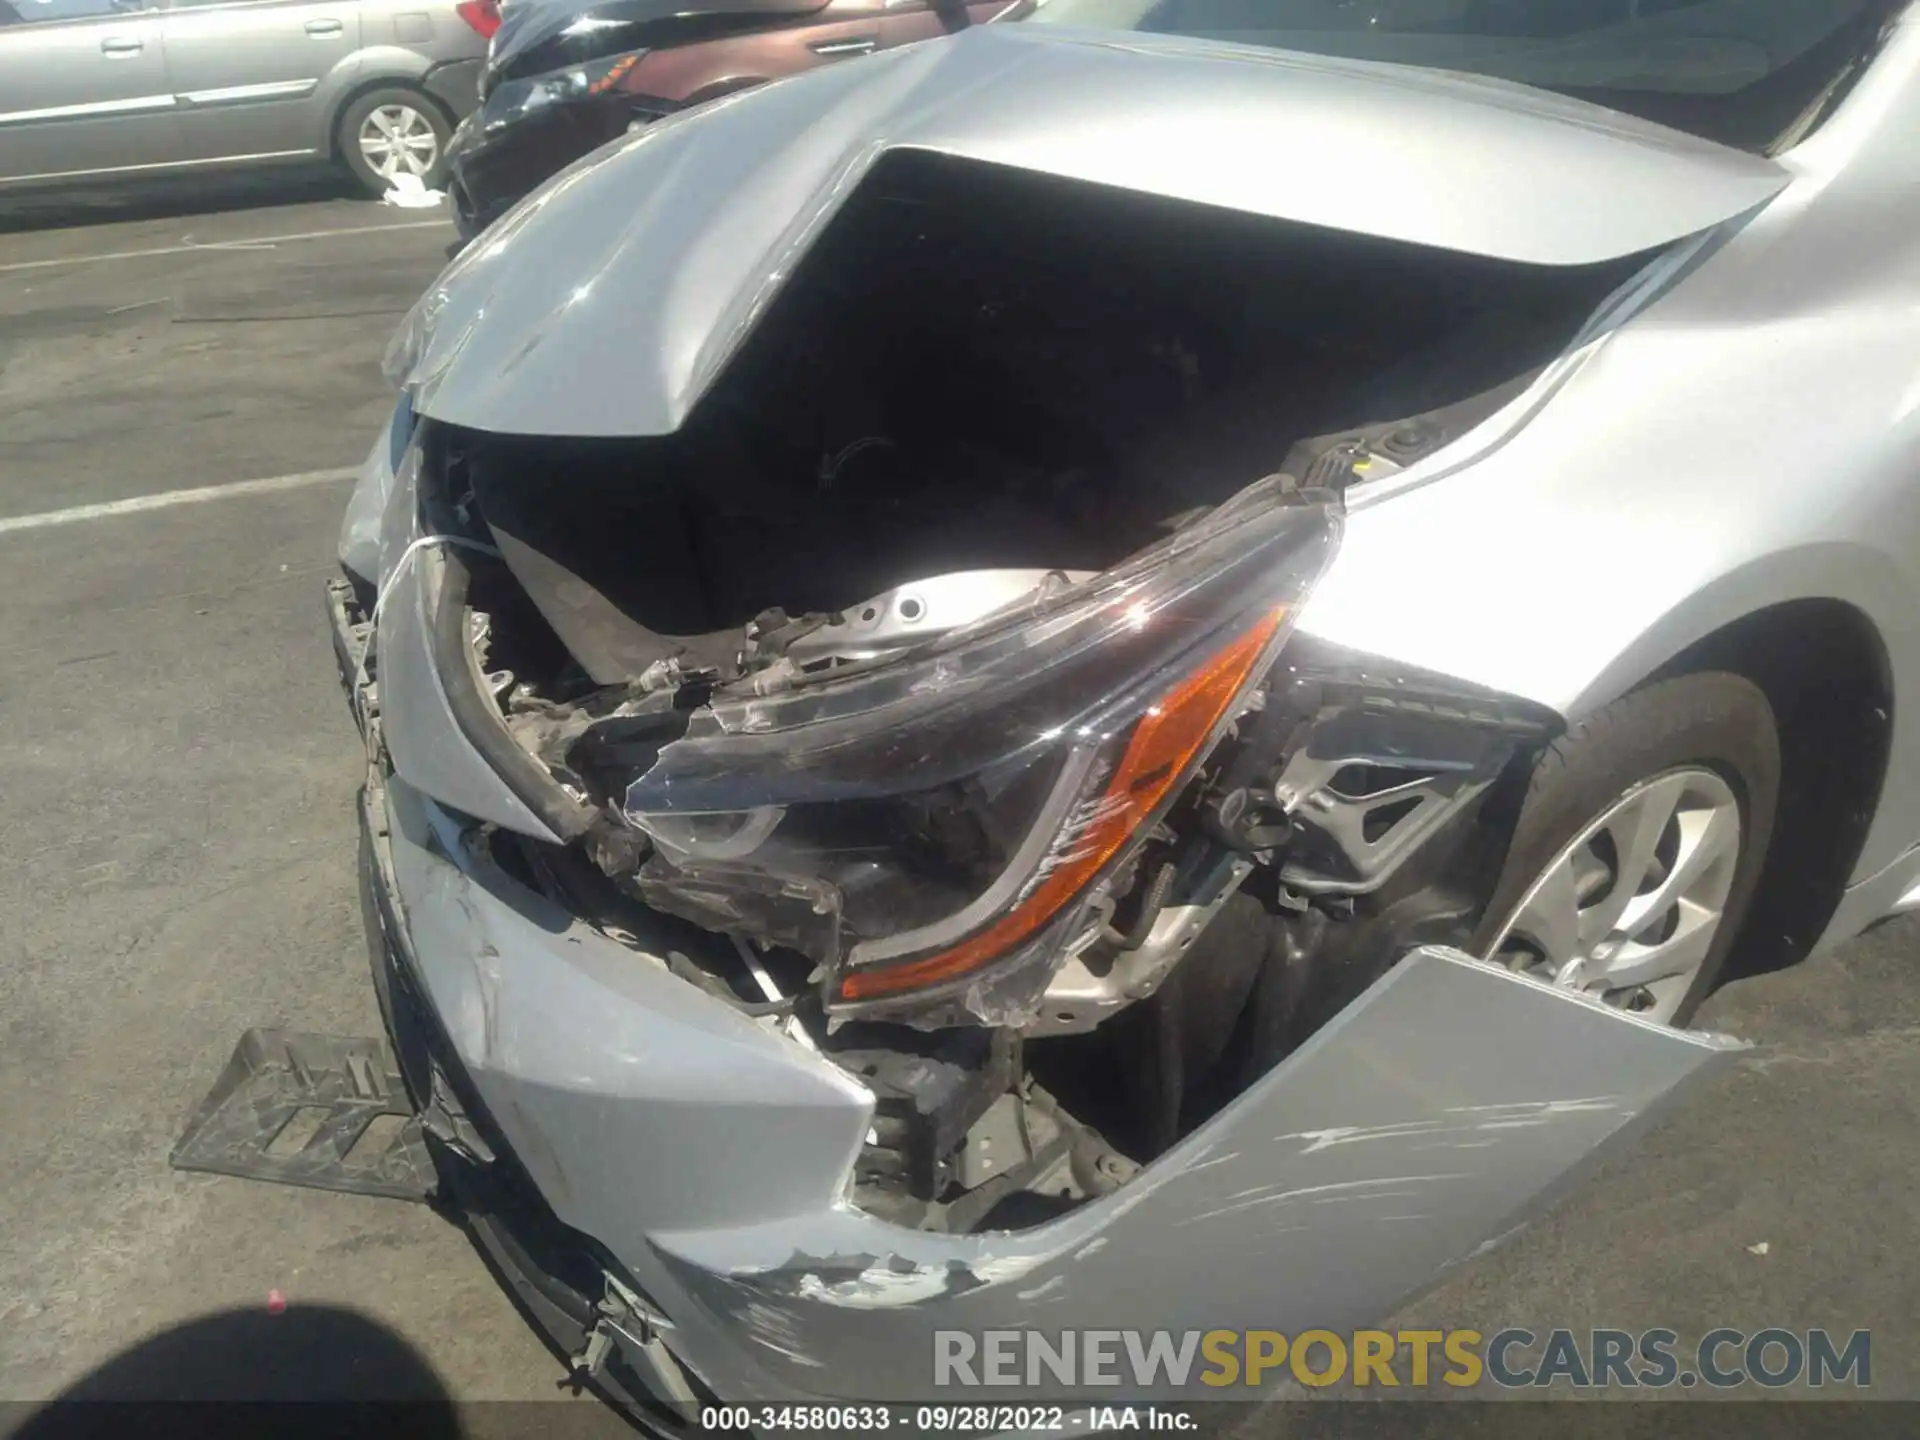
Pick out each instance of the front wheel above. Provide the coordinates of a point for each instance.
(1638, 846)
(390, 133)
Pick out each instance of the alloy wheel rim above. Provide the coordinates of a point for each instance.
(1630, 908)
(398, 140)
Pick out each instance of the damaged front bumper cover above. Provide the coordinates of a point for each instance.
(700, 1165)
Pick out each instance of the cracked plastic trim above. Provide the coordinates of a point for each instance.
(1483, 1092)
(1441, 1110)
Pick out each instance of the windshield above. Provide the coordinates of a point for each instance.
(1743, 72)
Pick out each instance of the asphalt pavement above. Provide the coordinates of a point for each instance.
(177, 853)
(177, 846)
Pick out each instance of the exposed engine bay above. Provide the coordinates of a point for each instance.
(989, 407)
(979, 369)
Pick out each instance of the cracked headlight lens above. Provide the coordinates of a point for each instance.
(941, 827)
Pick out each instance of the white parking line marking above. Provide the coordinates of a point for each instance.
(167, 500)
(192, 247)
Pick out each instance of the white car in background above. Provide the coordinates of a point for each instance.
(100, 89)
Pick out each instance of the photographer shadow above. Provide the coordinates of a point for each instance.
(315, 1369)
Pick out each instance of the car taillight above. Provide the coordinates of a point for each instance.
(482, 15)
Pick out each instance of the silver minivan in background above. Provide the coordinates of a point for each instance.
(91, 89)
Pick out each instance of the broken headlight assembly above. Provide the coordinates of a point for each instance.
(939, 832)
(512, 101)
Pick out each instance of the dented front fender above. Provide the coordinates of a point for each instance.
(1439, 1112)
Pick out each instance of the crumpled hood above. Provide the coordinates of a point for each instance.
(606, 304)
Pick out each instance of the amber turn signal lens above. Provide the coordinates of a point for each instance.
(1164, 742)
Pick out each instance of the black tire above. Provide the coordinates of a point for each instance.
(346, 133)
(1714, 721)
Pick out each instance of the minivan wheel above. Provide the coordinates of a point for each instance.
(1638, 846)
(389, 133)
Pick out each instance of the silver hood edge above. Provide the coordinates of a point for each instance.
(607, 302)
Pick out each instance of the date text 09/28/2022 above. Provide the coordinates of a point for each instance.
(963, 1419)
(1252, 1359)
(919, 1419)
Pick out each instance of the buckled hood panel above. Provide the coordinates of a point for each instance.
(609, 301)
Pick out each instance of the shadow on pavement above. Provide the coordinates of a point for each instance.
(246, 1358)
(174, 198)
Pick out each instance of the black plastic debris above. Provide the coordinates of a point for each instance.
(324, 1111)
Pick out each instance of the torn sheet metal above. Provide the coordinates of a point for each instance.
(1440, 1111)
(667, 248)
(1434, 1115)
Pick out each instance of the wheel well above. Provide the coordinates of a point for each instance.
(367, 87)
(1825, 672)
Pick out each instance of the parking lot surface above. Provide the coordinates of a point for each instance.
(177, 863)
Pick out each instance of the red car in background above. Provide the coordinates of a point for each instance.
(565, 76)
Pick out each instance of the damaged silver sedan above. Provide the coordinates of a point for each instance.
(1082, 677)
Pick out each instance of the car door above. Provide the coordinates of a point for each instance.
(83, 89)
(247, 73)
